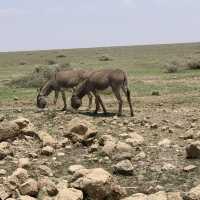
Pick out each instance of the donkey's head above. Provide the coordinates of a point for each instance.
(41, 101)
(76, 102)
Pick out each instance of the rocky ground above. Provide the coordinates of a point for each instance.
(55, 155)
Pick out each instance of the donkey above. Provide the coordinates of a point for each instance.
(60, 81)
(101, 80)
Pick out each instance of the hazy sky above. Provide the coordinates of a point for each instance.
(47, 24)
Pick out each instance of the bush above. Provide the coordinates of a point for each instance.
(60, 56)
(194, 64)
(172, 67)
(104, 58)
(40, 75)
(51, 62)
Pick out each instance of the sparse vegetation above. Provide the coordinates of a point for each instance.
(172, 115)
(172, 67)
(105, 58)
(39, 75)
(51, 62)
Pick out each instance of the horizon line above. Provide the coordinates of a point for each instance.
(106, 46)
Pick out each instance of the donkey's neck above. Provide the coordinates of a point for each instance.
(82, 90)
(47, 88)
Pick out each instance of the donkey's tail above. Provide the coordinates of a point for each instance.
(125, 86)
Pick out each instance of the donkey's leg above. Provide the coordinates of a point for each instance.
(128, 96)
(56, 97)
(90, 101)
(64, 100)
(100, 101)
(116, 91)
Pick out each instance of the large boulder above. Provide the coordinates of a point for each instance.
(79, 130)
(97, 184)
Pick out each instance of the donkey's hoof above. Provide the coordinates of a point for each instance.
(64, 109)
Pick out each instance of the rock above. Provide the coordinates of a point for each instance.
(193, 150)
(62, 184)
(8, 130)
(48, 186)
(26, 197)
(97, 184)
(154, 126)
(22, 122)
(2, 118)
(18, 177)
(12, 129)
(168, 167)
(165, 142)
(124, 167)
(138, 196)
(188, 135)
(5, 150)
(4, 192)
(82, 131)
(135, 139)
(45, 171)
(30, 187)
(189, 168)
(140, 156)
(69, 194)
(3, 172)
(123, 147)
(47, 150)
(24, 163)
(158, 196)
(194, 193)
(122, 156)
(174, 196)
(47, 140)
(74, 168)
(109, 148)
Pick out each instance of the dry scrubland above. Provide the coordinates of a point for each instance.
(144, 154)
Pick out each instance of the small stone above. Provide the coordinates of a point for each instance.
(154, 126)
(60, 154)
(45, 171)
(168, 167)
(124, 167)
(30, 188)
(47, 150)
(74, 168)
(3, 172)
(165, 142)
(189, 168)
(24, 163)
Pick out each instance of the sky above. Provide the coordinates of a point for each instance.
(61, 24)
